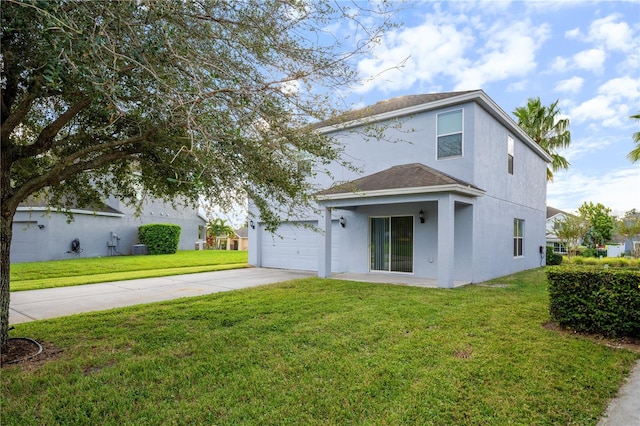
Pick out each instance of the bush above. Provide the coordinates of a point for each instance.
(595, 299)
(553, 258)
(589, 252)
(614, 262)
(160, 238)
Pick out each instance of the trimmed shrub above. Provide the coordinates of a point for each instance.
(160, 238)
(595, 299)
(553, 258)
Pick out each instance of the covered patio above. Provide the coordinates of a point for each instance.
(405, 190)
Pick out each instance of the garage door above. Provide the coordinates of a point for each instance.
(24, 243)
(295, 246)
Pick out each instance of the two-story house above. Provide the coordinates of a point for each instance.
(453, 191)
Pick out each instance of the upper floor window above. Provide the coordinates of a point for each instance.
(450, 134)
(510, 154)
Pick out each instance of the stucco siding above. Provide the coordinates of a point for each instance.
(94, 230)
(493, 245)
(409, 139)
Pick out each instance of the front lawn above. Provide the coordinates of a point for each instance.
(318, 351)
(63, 273)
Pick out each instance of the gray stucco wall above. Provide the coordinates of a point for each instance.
(41, 236)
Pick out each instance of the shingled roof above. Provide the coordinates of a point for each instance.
(40, 203)
(389, 105)
(413, 175)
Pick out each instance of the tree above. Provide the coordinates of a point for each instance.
(547, 129)
(629, 227)
(634, 155)
(600, 223)
(570, 230)
(218, 229)
(104, 98)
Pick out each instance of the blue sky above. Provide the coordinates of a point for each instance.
(584, 53)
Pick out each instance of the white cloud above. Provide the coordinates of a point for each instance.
(574, 33)
(612, 104)
(611, 34)
(616, 189)
(591, 60)
(560, 64)
(470, 51)
(622, 88)
(509, 51)
(571, 85)
(425, 51)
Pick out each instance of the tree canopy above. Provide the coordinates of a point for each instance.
(600, 223)
(570, 230)
(544, 125)
(182, 98)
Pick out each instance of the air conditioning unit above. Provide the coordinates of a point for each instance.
(139, 249)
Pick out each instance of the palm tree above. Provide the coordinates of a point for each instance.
(549, 131)
(634, 155)
(218, 229)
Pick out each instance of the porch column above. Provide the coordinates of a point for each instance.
(324, 255)
(446, 227)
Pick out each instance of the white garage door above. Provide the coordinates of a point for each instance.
(295, 246)
(24, 242)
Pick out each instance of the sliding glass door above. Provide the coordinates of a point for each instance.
(391, 243)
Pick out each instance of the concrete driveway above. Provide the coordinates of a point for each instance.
(34, 305)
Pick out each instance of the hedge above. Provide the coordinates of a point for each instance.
(160, 238)
(595, 300)
(552, 258)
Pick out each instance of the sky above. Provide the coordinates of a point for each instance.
(586, 54)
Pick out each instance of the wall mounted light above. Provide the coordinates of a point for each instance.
(421, 216)
(343, 222)
(252, 225)
(41, 226)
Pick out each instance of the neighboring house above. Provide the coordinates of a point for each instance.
(454, 192)
(553, 217)
(105, 230)
(629, 246)
(240, 240)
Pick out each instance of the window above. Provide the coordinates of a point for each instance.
(559, 248)
(391, 243)
(518, 237)
(510, 155)
(450, 134)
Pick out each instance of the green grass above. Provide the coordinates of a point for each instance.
(63, 273)
(319, 352)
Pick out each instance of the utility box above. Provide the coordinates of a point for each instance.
(200, 245)
(138, 249)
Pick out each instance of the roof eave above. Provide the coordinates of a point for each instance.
(455, 188)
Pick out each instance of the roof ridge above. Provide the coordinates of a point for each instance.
(391, 104)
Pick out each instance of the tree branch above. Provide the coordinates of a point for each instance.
(48, 134)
